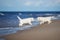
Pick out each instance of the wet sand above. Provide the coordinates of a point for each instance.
(40, 32)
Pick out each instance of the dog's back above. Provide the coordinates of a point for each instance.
(44, 18)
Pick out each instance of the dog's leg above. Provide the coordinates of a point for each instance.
(49, 22)
(41, 22)
(30, 23)
(20, 24)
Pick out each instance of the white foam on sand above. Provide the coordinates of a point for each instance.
(2, 39)
(11, 30)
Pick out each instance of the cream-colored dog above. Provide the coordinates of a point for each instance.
(44, 19)
(25, 21)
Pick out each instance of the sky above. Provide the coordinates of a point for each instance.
(29, 5)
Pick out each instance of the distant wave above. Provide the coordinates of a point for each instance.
(48, 14)
(2, 14)
(57, 17)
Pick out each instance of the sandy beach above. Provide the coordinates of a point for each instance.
(40, 32)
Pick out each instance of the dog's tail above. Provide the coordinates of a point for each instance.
(19, 18)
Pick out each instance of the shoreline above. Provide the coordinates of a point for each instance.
(39, 32)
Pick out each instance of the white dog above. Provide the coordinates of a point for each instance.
(25, 21)
(44, 19)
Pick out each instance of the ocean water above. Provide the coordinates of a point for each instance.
(9, 22)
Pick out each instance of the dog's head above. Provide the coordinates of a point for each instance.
(39, 18)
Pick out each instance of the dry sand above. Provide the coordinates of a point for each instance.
(41, 32)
